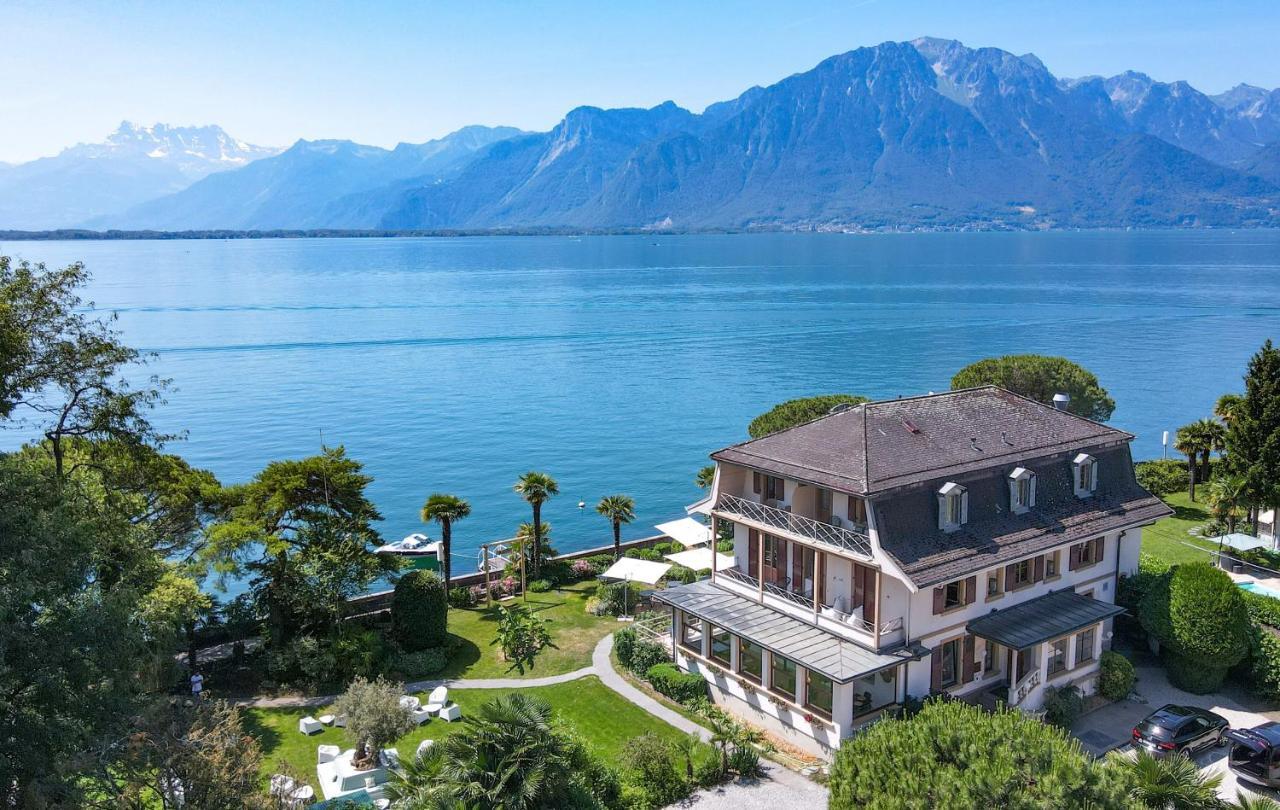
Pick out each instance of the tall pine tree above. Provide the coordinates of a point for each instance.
(1253, 436)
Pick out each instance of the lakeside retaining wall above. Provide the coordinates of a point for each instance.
(381, 600)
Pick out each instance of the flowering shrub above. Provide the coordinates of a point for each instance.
(509, 585)
(583, 569)
(477, 594)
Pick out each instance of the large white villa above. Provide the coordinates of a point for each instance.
(968, 542)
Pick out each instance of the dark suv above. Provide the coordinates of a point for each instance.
(1255, 754)
(1179, 730)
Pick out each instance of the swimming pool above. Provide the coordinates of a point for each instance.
(1253, 587)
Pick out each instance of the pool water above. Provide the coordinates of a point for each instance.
(1253, 587)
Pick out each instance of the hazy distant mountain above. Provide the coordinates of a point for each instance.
(299, 187)
(921, 134)
(133, 164)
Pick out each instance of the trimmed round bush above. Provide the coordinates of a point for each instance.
(420, 611)
(1199, 616)
(1115, 676)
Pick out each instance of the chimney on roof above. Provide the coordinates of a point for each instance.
(1061, 400)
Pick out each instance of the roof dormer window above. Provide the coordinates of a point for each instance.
(1084, 474)
(953, 506)
(1022, 490)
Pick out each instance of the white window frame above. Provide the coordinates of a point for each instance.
(949, 495)
(1079, 465)
(1017, 478)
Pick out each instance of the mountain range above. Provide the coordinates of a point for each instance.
(903, 135)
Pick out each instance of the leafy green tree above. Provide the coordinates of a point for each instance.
(374, 717)
(1200, 619)
(509, 755)
(445, 510)
(653, 761)
(1213, 436)
(1170, 783)
(952, 754)
(798, 411)
(521, 636)
(304, 530)
(706, 476)
(172, 609)
(193, 758)
(536, 488)
(1038, 377)
(1190, 441)
(1253, 434)
(617, 509)
(420, 611)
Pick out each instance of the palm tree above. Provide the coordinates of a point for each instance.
(1252, 801)
(687, 747)
(1226, 406)
(536, 488)
(1189, 441)
(619, 509)
(724, 732)
(1172, 783)
(706, 477)
(508, 756)
(1214, 435)
(445, 509)
(1227, 497)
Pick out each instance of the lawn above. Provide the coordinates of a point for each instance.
(573, 631)
(1167, 539)
(604, 720)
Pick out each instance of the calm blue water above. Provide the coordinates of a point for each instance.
(618, 363)
(1253, 587)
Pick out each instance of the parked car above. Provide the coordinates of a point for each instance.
(1176, 729)
(1255, 754)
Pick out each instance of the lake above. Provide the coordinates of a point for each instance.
(617, 363)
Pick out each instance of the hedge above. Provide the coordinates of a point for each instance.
(420, 612)
(681, 687)
(1199, 616)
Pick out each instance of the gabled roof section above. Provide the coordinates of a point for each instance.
(884, 445)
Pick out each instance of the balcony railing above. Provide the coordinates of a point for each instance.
(888, 627)
(805, 528)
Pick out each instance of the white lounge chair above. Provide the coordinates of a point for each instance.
(409, 702)
(423, 746)
(327, 753)
(309, 725)
(451, 712)
(438, 699)
(340, 721)
(421, 715)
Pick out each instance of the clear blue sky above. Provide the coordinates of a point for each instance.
(383, 72)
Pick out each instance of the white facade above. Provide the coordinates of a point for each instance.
(815, 555)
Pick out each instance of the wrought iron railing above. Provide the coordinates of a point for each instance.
(887, 627)
(739, 576)
(806, 528)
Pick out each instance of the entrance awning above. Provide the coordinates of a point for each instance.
(686, 531)
(1046, 617)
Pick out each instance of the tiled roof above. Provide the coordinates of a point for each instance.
(1038, 620)
(811, 647)
(882, 445)
(907, 522)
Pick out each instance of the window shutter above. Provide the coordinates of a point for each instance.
(1013, 494)
(797, 567)
(970, 590)
(753, 551)
(1009, 580)
(755, 482)
(942, 512)
(935, 679)
(1073, 561)
(939, 599)
(1093, 475)
(1033, 490)
(1099, 548)
(964, 506)
(968, 666)
(1039, 570)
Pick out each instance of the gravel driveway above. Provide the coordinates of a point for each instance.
(780, 789)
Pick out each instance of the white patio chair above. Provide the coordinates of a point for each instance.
(451, 712)
(327, 753)
(309, 725)
(438, 699)
(409, 702)
(421, 715)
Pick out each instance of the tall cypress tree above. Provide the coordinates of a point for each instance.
(1253, 437)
